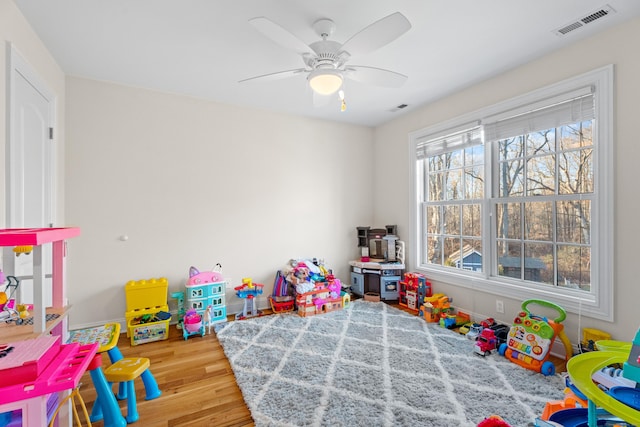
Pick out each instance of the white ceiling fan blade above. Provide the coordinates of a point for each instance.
(378, 34)
(279, 35)
(375, 76)
(275, 76)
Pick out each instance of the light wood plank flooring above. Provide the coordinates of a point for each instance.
(197, 383)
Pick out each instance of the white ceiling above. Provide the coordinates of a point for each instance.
(202, 48)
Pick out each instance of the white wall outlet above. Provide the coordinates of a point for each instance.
(499, 306)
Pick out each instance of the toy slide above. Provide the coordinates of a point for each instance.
(582, 367)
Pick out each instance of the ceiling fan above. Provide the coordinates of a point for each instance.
(326, 61)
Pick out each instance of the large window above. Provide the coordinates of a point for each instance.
(516, 199)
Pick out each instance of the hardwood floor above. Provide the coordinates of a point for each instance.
(197, 383)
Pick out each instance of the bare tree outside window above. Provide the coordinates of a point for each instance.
(545, 179)
(453, 216)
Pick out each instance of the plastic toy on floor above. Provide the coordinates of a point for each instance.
(248, 291)
(192, 324)
(281, 301)
(493, 421)
(531, 337)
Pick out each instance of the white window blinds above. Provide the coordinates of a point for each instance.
(569, 108)
(448, 140)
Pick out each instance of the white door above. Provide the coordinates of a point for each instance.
(30, 166)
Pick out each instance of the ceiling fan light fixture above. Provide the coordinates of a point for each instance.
(325, 82)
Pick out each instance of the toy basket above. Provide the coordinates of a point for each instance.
(281, 304)
(145, 300)
(280, 300)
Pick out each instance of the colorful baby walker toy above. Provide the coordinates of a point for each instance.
(531, 337)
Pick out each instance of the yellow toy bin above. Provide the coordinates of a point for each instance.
(141, 333)
(146, 298)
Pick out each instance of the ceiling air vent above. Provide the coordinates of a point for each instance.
(606, 10)
(399, 107)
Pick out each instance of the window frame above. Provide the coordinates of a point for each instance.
(599, 302)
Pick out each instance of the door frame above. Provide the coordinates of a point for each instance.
(16, 64)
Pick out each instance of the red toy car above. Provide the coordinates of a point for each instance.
(488, 322)
(486, 342)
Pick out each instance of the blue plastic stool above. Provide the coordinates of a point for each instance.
(125, 371)
(106, 406)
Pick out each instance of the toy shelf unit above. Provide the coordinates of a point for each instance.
(147, 312)
(38, 238)
(205, 293)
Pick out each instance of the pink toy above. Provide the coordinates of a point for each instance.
(43, 366)
(319, 302)
(192, 321)
(198, 278)
(493, 421)
(334, 287)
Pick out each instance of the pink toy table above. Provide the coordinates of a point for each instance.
(37, 237)
(44, 366)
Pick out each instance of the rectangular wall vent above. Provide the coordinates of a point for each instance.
(606, 10)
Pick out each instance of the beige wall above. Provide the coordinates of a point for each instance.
(192, 182)
(617, 46)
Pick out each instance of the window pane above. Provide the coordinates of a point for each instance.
(454, 159)
(474, 183)
(511, 178)
(436, 163)
(451, 247)
(509, 254)
(452, 219)
(433, 220)
(454, 182)
(471, 220)
(538, 221)
(436, 186)
(575, 172)
(574, 267)
(508, 221)
(541, 142)
(574, 221)
(578, 135)
(474, 155)
(541, 175)
(434, 250)
(511, 148)
(471, 256)
(538, 262)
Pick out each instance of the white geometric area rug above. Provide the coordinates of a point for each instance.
(374, 365)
